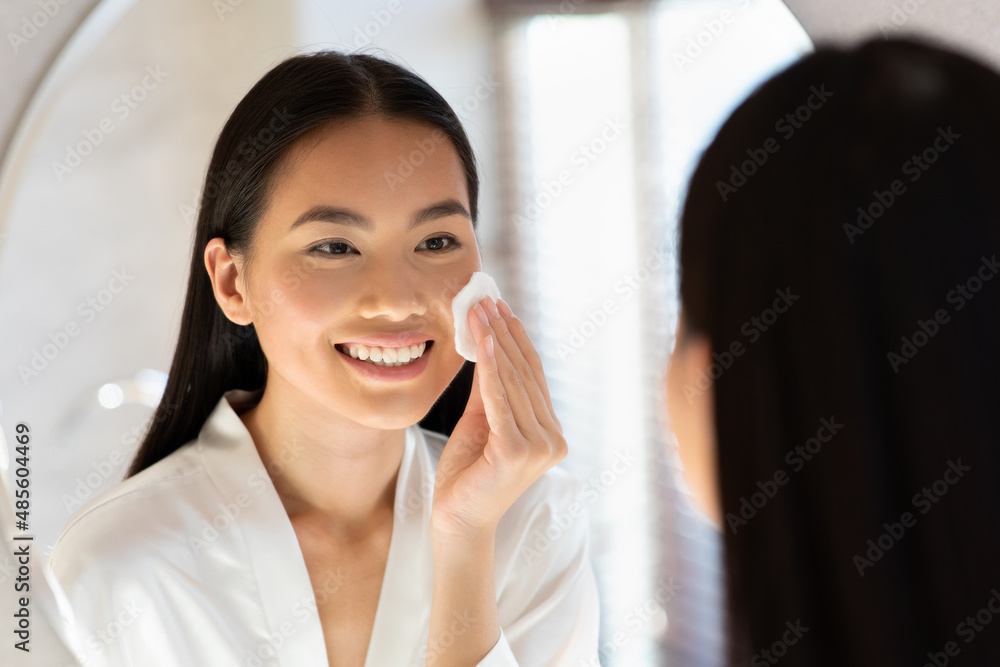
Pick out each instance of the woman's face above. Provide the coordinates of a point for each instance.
(691, 411)
(366, 240)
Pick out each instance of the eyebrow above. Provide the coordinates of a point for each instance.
(343, 216)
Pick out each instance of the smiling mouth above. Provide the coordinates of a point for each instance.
(385, 356)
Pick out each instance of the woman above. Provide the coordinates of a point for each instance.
(286, 507)
(834, 387)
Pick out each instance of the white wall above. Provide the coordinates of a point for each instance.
(967, 25)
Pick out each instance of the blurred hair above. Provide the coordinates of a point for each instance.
(300, 94)
(857, 290)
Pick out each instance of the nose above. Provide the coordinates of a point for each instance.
(392, 290)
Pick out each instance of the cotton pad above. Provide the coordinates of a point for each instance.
(479, 286)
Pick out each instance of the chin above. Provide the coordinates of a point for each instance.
(388, 414)
(389, 422)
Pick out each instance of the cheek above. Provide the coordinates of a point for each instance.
(449, 283)
(295, 301)
(684, 402)
(673, 391)
(317, 300)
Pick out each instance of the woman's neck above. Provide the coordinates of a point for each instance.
(322, 463)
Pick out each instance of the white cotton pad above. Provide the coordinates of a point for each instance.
(479, 286)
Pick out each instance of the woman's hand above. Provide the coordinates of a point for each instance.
(508, 436)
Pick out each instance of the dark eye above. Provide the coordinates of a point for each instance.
(335, 248)
(441, 243)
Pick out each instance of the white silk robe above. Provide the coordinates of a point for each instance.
(194, 561)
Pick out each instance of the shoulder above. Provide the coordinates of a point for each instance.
(141, 509)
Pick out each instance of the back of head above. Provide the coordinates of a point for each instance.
(839, 247)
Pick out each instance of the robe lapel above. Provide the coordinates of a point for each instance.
(294, 636)
(399, 635)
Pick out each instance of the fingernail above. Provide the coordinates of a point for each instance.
(493, 307)
(489, 346)
(505, 309)
(481, 314)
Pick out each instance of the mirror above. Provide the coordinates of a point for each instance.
(99, 193)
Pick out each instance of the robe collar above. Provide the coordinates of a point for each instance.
(287, 595)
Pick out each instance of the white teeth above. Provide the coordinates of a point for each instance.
(387, 356)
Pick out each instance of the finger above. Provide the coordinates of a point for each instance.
(530, 377)
(504, 395)
(468, 436)
(474, 406)
(520, 334)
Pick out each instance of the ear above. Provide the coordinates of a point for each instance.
(227, 282)
(690, 403)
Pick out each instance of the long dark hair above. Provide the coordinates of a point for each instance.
(844, 229)
(300, 94)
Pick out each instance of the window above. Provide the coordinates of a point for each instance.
(607, 110)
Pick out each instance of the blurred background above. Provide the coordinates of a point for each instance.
(587, 118)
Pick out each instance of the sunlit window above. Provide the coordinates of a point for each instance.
(609, 110)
